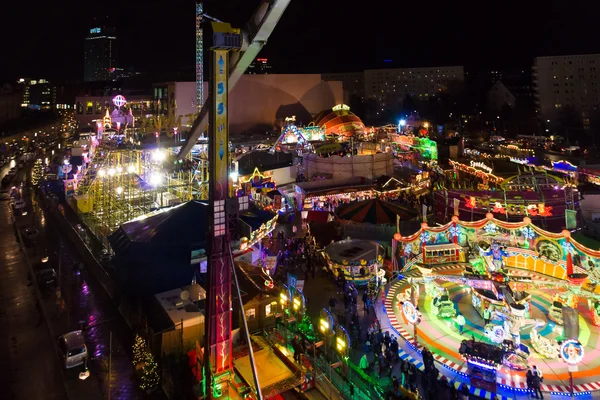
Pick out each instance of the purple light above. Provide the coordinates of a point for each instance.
(119, 101)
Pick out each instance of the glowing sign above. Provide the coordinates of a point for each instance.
(540, 209)
(522, 161)
(410, 312)
(119, 101)
(480, 165)
(95, 30)
(341, 107)
(471, 202)
(572, 351)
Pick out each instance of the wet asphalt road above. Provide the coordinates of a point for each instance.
(29, 364)
(84, 305)
(29, 367)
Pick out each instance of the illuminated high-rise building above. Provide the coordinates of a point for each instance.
(100, 54)
(199, 56)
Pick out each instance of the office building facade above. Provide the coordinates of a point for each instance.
(567, 82)
(100, 54)
(38, 94)
(389, 87)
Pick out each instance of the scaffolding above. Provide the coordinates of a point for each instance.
(121, 185)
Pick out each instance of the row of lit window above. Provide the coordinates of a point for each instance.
(570, 62)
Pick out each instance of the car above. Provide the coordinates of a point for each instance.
(73, 349)
(31, 234)
(105, 257)
(47, 277)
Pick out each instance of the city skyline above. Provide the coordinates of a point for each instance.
(150, 35)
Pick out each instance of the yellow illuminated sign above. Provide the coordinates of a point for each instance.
(220, 90)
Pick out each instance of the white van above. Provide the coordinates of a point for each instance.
(73, 349)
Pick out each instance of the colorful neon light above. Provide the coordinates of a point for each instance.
(119, 100)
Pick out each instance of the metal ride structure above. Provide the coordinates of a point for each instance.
(218, 354)
(199, 56)
(255, 36)
(227, 68)
(127, 184)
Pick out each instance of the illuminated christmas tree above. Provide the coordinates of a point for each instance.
(139, 350)
(37, 172)
(150, 376)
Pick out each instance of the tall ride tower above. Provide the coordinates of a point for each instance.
(218, 362)
(199, 56)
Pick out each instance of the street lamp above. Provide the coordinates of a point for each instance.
(158, 156)
(155, 179)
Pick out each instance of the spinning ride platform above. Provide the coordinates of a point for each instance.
(441, 335)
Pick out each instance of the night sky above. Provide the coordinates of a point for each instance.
(45, 38)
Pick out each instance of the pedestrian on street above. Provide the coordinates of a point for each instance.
(395, 385)
(537, 381)
(297, 348)
(332, 303)
(460, 320)
(529, 380)
(364, 363)
(487, 315)
(394, 349)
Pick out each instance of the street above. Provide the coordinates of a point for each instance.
(30, 367)
(77, 302)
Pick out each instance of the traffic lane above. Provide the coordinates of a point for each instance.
(85, 304)
(31, 368)
(43, 256)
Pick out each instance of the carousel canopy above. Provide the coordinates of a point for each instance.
(339, 121)
(374, 211)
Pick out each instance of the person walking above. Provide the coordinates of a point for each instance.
(332, 303)
(460, 320)
(487, 315)
(529, 381)
(537, 381)
(364, 363)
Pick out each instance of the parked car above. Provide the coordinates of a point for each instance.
(73, 349)
(47, 277)
(31, 234)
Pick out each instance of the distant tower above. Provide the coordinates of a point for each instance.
(199, 56)
(99, 54)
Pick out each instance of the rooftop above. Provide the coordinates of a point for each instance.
(182, 310)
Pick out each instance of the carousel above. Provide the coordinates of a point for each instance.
(520, 293)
